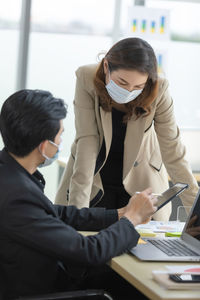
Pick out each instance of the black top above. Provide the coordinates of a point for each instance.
(37, 238)
(112, 171)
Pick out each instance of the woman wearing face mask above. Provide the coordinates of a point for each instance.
(126, 134)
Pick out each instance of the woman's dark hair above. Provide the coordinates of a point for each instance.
(130, 54)
(29, 117)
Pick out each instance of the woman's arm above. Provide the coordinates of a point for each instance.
(86, 140)
(172, 149)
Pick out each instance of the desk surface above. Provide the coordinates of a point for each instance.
(139, 274)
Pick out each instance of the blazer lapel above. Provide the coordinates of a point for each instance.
(106, 118)
(134, 134)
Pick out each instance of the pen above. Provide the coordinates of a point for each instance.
(152, 194)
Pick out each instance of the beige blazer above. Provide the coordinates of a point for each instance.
(152, 145)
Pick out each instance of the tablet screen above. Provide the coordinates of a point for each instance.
(171, 193)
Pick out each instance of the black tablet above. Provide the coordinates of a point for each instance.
(171, 193)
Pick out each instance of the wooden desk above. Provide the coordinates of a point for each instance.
(139, 274)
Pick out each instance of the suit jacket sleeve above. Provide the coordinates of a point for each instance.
(88, 219)
(172, 150)
(87, 137)
(38, 227)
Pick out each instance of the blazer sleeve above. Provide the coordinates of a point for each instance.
(172, 150)
(88, 219)
(87, 140)
(32, 225)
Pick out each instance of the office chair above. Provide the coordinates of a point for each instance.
(89, 294)
(76, 295)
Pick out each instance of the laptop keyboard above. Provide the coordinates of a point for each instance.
(173, 248)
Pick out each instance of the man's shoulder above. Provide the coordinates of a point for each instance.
(14, 179)
(5, 168)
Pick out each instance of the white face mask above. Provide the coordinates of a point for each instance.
(49, 160)
(119, 94)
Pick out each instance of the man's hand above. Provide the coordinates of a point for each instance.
(140, 207)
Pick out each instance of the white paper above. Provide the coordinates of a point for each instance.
(189, 269)
(157, 226)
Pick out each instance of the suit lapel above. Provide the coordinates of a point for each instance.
(134, 134)
(106, 118)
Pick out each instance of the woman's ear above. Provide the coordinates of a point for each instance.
(105, 66)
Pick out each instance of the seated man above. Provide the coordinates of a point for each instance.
(41, 250)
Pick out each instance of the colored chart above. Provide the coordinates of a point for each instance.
(149, 23)
(141, 25)
(161, 56)
(160, 63)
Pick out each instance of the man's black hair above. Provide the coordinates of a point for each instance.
(29, 117)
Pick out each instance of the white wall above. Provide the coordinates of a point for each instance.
(191, 139)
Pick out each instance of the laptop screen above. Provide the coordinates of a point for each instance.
(193, 225)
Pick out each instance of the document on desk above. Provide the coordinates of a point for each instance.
(162, 277)
(189, 269)
(157, 226)
(141, 241)
(146, 232)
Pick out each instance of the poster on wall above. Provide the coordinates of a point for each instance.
(148, 23)
(161, 55)
(152, 25)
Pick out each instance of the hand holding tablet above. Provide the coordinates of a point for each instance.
(169, 194)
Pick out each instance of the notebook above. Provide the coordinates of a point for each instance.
(183, 248)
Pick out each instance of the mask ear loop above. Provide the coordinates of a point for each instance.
(45, 156)
(53, 143)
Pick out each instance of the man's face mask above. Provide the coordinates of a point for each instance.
(49, 160)
(119, 94)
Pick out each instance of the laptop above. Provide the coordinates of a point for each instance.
(184, 248)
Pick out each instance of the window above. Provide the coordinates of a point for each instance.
(73, 17)
(63, 37)
(183, 69)
(9, 35)
(67, 34)
(184, 17)
(181, 55)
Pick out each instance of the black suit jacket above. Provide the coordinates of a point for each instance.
(37, 237)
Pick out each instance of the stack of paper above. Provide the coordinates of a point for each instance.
(157, 226)
(162, 277)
